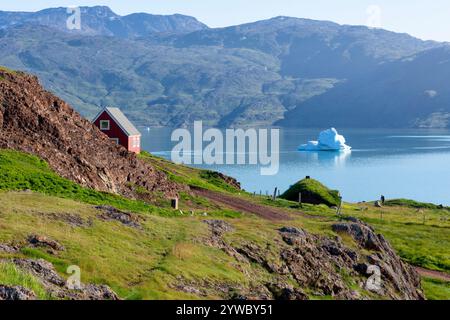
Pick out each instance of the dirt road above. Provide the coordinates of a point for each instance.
(433, 274)
(242, 205)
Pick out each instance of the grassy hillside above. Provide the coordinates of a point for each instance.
(313, 192)
(20, 171)
(420, 236)
(171, 249)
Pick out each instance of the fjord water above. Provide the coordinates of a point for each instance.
(413, 164)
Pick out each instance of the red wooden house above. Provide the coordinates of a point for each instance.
(118, 128)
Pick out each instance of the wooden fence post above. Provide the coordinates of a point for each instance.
(174, 203)
(338, 211)
(275, 194)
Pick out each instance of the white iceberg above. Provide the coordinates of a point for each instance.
(329, 140)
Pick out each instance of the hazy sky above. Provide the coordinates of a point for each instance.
(426, 19)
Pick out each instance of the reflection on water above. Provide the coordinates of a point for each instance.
(397, 163)
(327, 158)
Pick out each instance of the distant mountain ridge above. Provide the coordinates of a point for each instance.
(173, 70)
(101, 20)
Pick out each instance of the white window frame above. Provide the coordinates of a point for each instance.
(105, 121)
(116, 140)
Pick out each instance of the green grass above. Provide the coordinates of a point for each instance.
(213, 178)
(145, 263)
(136, 263)
(313, 192)
(189, 176)
(414, 204)
(4, 69)
(420, 236)
(436, 289)
(20, 171)
(10, 275)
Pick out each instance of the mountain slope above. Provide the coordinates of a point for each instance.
(269, 72)
(312, 49)
(101, 20)
(410, 92)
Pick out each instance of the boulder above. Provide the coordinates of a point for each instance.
(16, 293)
(56, 286)
(42, 241)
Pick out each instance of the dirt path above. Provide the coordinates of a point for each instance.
(243, 205)
(433, 274)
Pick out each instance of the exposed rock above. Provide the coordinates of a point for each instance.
(35, 121)
(322, 264)
(56, 285)
(93, 292)
(126, 218)
(218, 175)
(43, 270)
(398, 279)
(8, 249)
(230, 291)
(361, 233)
(16, 293)
(310, 263)
(256, 254)
(42, 241)
(218, 227)
(284, 291)
(71, 219)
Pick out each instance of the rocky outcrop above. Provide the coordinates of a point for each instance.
(232, 182)
(398, 280)
(42, 241)
(57, 287)
(325, 266)
(35, 121)
(5, 248)
(16, 293)
(126, 218)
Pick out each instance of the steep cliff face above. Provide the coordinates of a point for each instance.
(35, 121)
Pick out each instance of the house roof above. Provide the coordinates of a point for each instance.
(121, 120)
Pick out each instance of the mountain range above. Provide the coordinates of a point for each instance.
(173, 70)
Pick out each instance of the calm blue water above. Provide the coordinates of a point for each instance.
(411, 164)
